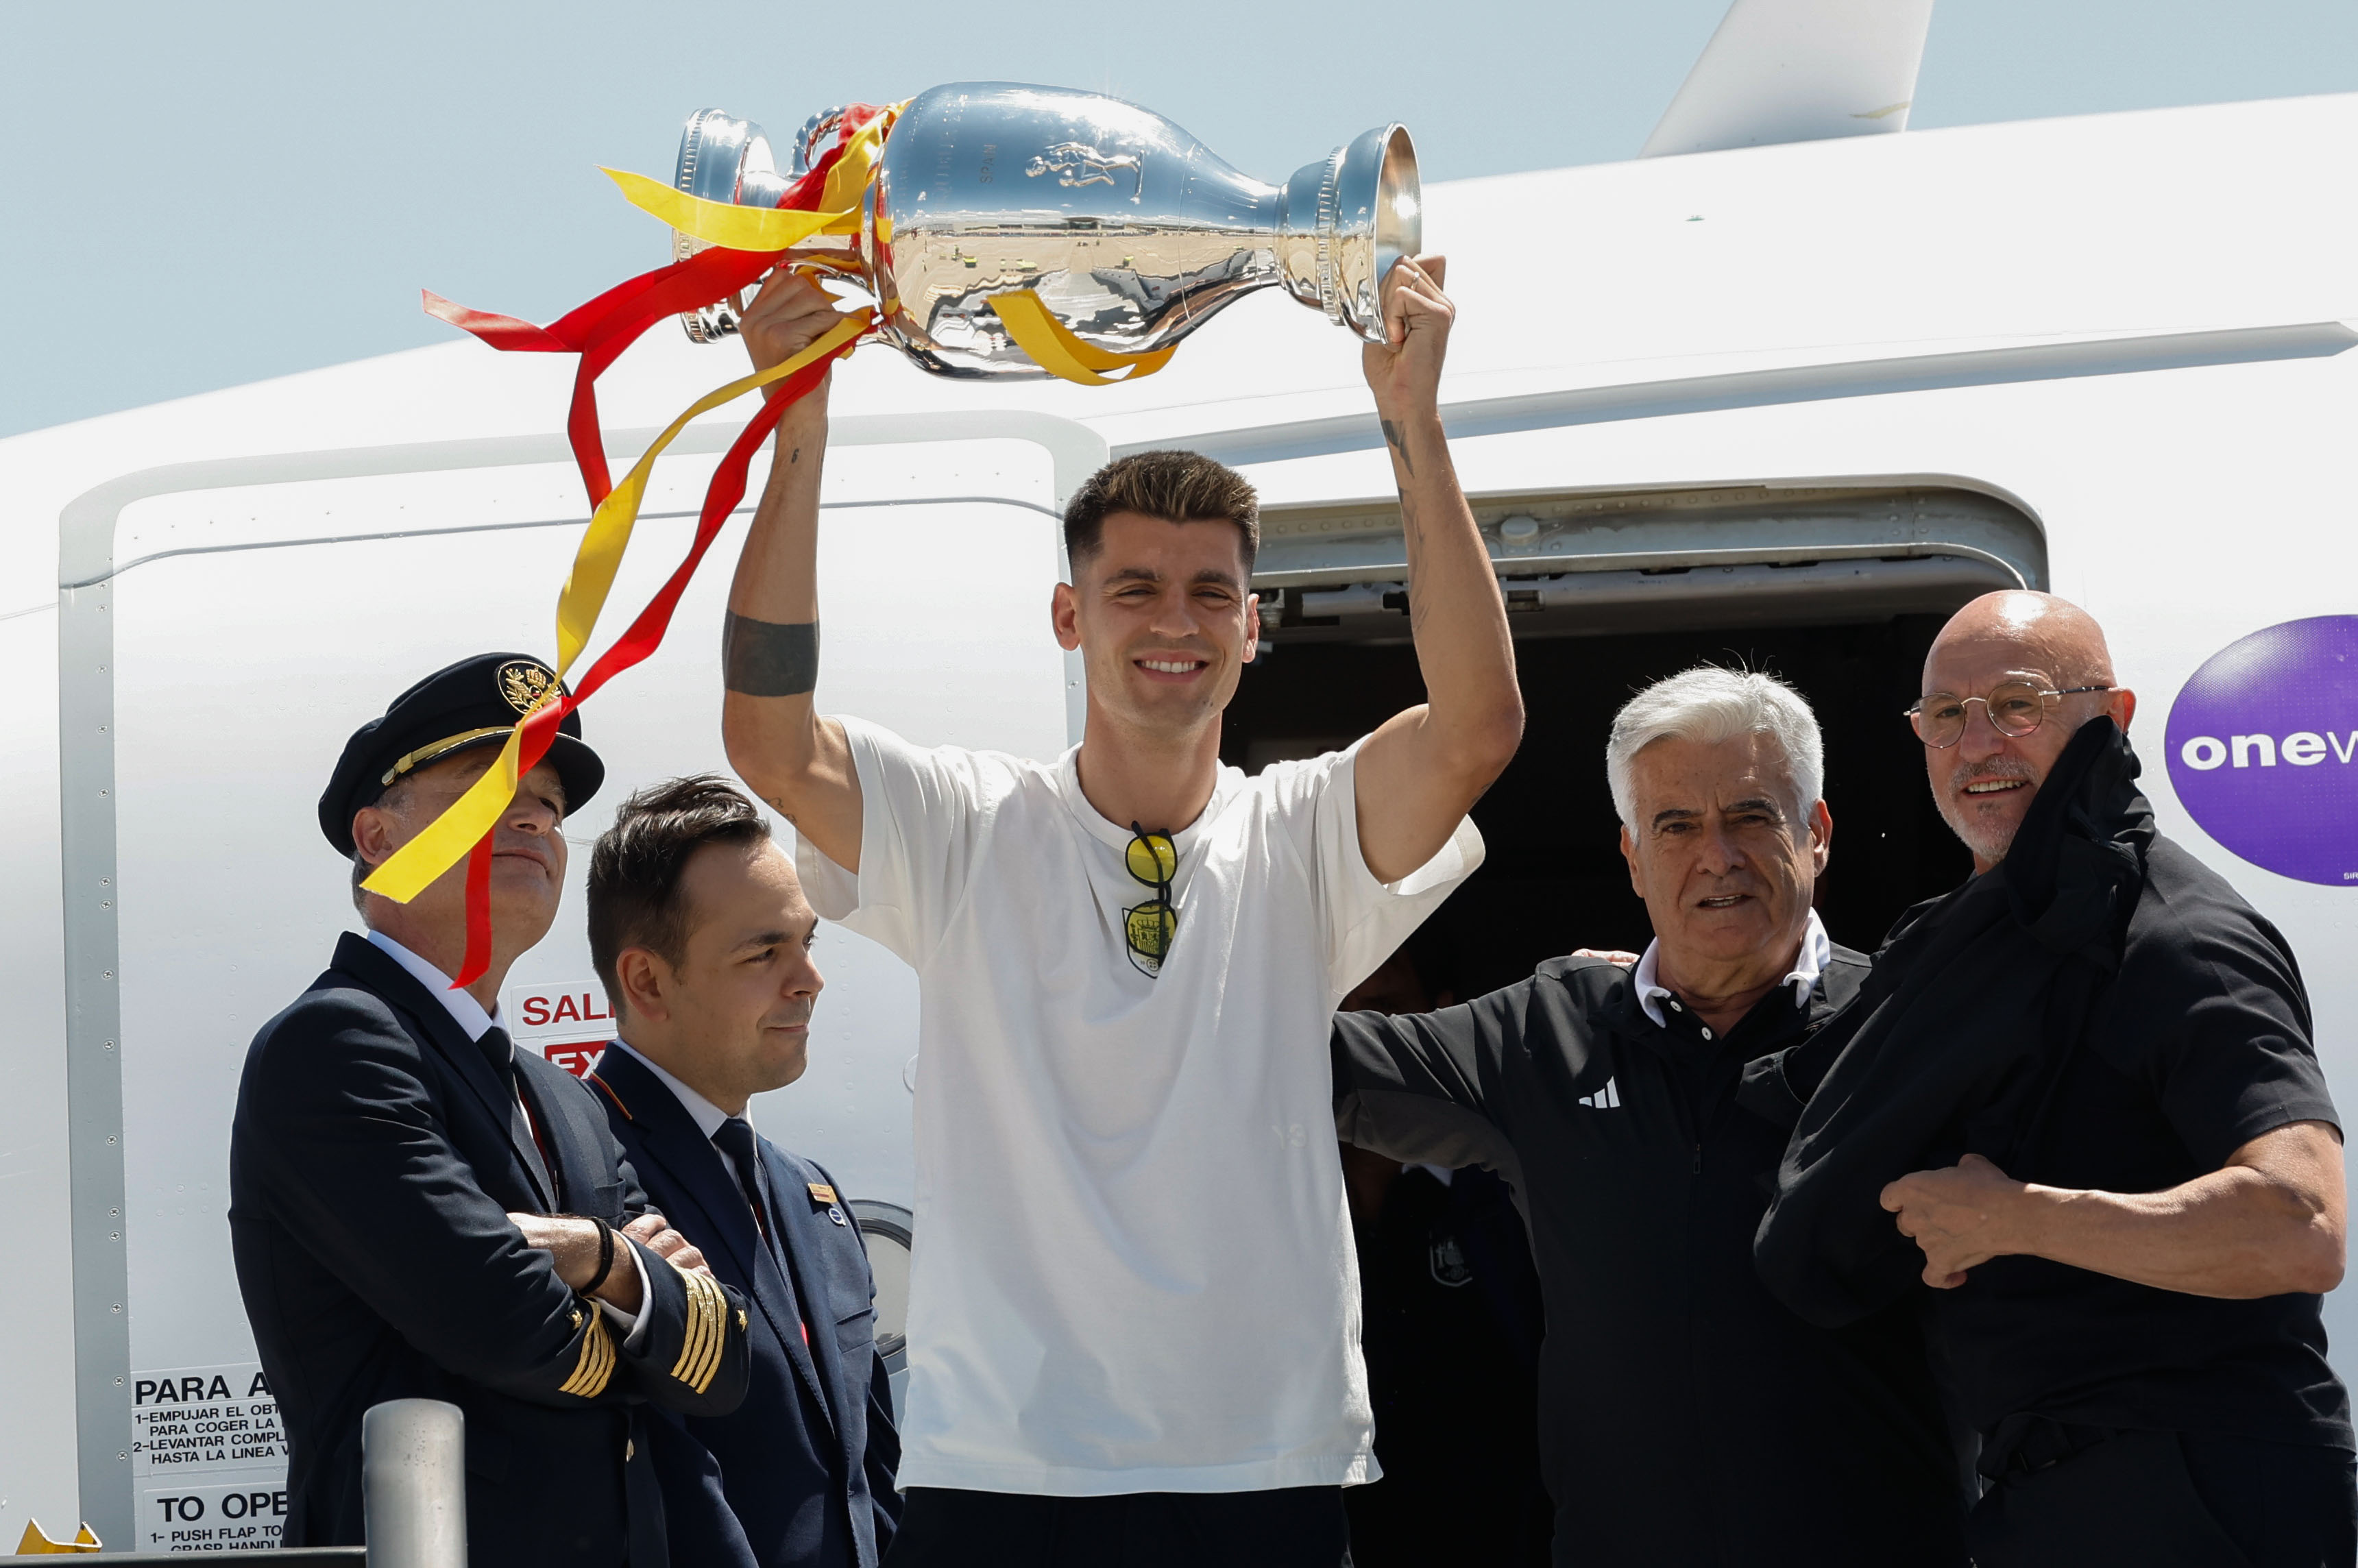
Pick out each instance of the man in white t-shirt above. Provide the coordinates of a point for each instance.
(1134, 1310)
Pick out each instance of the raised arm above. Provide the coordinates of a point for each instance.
(1420, 772)
(784, 751)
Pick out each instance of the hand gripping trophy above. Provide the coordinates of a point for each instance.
(1001, 231)
(1127, 229)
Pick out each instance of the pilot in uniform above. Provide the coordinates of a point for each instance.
(387, 1129)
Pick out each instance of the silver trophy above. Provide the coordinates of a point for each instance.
(1129, 230)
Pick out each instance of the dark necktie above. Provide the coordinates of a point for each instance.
(500, 1052)
(735, 1138)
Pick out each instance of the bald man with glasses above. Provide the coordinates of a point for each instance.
(2077, 1108)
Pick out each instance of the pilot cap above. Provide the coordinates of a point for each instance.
(475, 702)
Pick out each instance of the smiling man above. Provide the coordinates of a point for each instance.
(1131, 1314)
(417, 1209)
(2079, 1099)
(1685, 1417)
(702, 937)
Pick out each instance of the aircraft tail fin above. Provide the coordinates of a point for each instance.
(1798, 70)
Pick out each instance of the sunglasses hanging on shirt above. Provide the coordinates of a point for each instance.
(1147, 928)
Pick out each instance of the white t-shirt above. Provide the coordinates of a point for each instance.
(1133, 1268)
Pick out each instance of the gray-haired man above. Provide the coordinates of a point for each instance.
(1686, 1417)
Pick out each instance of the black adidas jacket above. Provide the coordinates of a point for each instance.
(1686, 1417)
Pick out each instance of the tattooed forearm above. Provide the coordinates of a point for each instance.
(762, 658)
(1397, 438)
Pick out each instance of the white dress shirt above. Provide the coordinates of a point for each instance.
(1817, 950)
(707, 1116)
(469, 1016)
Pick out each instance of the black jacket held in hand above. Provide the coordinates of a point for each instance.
(371, 1172)
(2100, 1011)
(1951, 1045)
(1686, 1418)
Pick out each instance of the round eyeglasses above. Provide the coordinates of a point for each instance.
(1148, 928)
(2016, 708)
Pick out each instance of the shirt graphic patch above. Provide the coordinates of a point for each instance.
(1603, 1098)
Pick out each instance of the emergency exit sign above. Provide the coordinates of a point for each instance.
(566, 1021)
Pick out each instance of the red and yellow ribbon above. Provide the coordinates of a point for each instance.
(825, 200)
(743, 245)
(472, 816)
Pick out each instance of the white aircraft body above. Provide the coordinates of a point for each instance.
(1792, 403)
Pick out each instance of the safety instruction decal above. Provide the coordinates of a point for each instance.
(207, 1459)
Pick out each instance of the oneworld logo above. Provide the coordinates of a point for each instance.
(2302, 749)
(2262, 748)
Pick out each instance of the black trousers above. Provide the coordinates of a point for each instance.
(2172, 1500)
(1299, 1527)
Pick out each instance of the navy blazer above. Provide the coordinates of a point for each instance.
(801, 1475)
(372, 1167)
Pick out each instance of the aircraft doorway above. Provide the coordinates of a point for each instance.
(1553, 879)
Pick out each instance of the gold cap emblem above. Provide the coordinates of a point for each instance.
(525, 685)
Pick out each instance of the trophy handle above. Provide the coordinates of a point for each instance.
(723, 158)
(806, 149)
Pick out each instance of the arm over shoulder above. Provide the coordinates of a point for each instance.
(1438, 1087)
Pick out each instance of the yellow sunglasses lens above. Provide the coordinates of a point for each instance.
(1153, 859)
(1150, 928)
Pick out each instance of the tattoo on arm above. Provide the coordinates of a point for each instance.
(762, 658)
(1397, 438)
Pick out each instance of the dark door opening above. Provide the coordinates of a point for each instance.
(1554, 879)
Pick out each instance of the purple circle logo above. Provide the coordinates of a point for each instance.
(2263, 749)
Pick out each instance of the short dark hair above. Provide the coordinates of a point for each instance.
(635, 871)
(1178, 487)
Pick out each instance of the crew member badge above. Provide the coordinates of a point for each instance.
(821, 1193)
(524, 685)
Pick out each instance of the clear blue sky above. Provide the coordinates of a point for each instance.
(206, 195)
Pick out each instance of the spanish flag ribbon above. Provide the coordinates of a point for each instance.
(598, 331)
(739, 245)
(467, 825)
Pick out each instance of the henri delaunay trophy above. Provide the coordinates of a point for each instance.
(1129, 231)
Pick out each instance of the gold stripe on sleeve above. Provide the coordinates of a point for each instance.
(697, 1330)
(692, 1328)
(713, 1310)
(597, 1363)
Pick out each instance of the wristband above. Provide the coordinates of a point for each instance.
(605, 1256)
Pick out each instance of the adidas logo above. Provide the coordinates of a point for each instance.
(1603, 1100)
